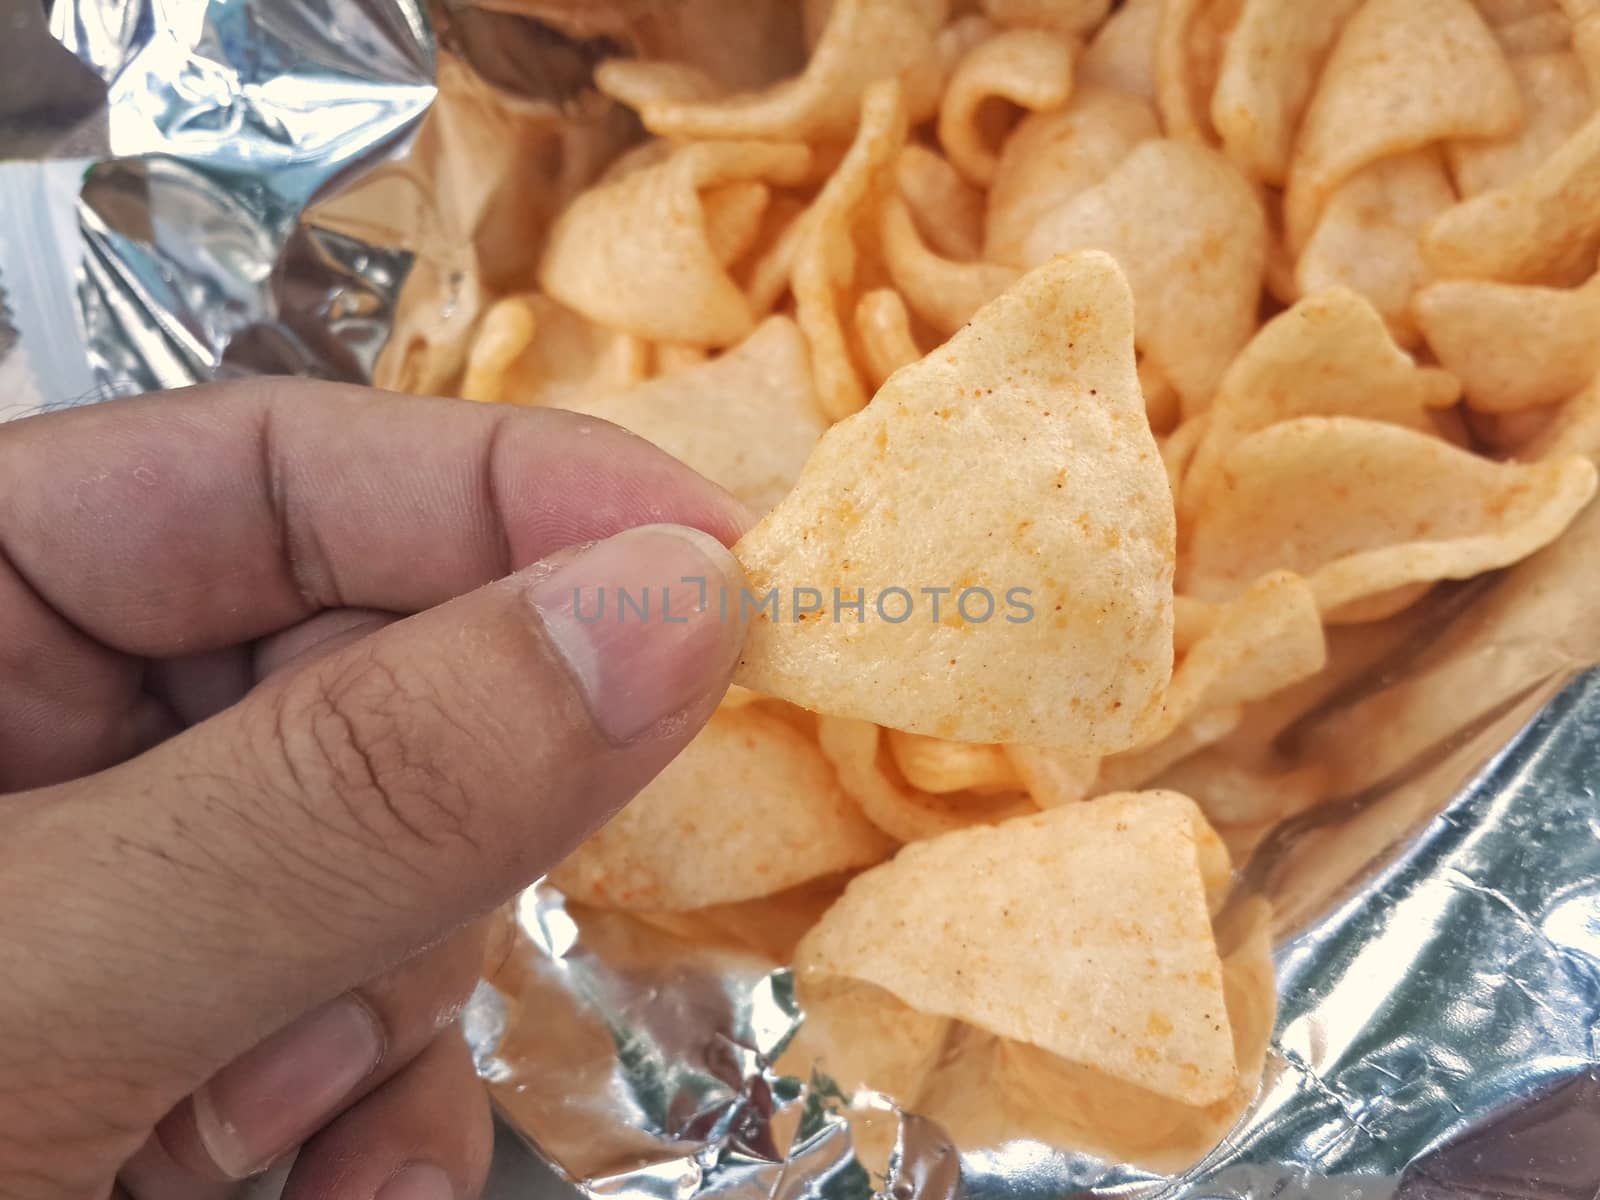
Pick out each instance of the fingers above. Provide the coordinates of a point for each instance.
(263, 863)
(192, 520)
(277, 1094)
(426, 1135)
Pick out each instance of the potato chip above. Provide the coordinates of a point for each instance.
(1329, 355)
(1063, 16)
(1020, 458)
(1189, 50)
(1544, 228)
(863, 41)
(1363, 507)
(747, 420)
(1555, 101)
(941, 767)
(530, 350)
(1024, 68)
(1133, 981)
(1403, 74)
(1051, 157)
(1366, 239)
(869, 777)
(1267, 638)
(942, 292)
(1053, 777)
(636, 254)
(1190, 234)
(758, 792)
(947, 209)
(1122, 54)
(1514, 346)
(826, 256)
(1178, 447)
(883, 327)
(1269, 66)
(990, 1091)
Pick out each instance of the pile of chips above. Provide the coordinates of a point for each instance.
(1204, 337)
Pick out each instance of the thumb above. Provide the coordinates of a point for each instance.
(173, 911)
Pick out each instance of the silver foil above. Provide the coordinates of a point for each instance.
(1438, 953)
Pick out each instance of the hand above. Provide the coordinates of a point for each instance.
(249, 806)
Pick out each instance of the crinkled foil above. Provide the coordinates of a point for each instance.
(255, 192)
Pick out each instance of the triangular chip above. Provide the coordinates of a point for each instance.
(1051, 157)
(1367, 236)
(863, 41)
(636, 254)
(1544, 228)
(1013, 465)
(1514, 347)
(1403, 74)
(748, 809)
(1555, 102)
(1328, 356)
(1084, 931)
(1269, 66)
(1191, 235)
(747, 420)
(1361, 508)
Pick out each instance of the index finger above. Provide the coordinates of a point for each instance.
(183, 522)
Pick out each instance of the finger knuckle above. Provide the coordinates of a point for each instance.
(362, 745)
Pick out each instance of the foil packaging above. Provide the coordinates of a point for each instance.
(194, 189)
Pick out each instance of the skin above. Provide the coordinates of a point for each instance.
(284, 711)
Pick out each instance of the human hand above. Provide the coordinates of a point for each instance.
(248, 812)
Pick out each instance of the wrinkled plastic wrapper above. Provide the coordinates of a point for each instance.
(339, 189)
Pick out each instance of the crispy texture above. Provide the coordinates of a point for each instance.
(1366, 238)
(941, 291)
(1329, 355)
(635, 254)
(947, 209)
(826, 255)
(1051, 157)
(1027, 68)
(1514, 347)
(1361, 508)
(747, 420)
(1544, 228)
(748, 809)
(862, 42)
(1269, 66)
(1555, 102)
(907, 814)
(1191, 236)
(1403, 74)
(1108, 956)
(1015, 456)
(943, 767)
(883, 328)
